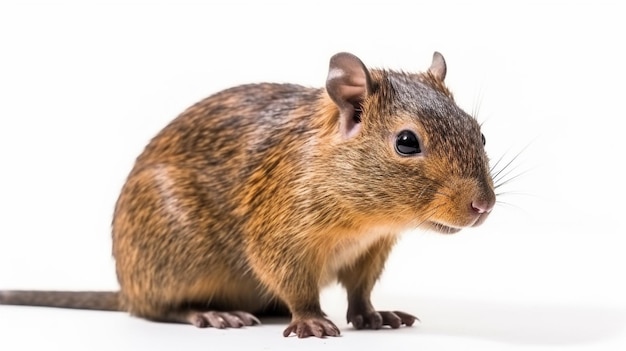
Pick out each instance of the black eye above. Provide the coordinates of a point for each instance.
(482, 136)
(407, 143)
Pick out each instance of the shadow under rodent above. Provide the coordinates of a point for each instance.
(255, 198)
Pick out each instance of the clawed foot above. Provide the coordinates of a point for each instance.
(378, 319)
(315, 326)
(221, 320)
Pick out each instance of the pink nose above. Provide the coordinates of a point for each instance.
(482, 206)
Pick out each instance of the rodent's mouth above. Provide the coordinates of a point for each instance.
(451, 229)
(444, 229)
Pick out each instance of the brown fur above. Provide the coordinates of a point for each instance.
(251, 200)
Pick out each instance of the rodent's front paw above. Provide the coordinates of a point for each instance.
(378, 319)
(315, 326)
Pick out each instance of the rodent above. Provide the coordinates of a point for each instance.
(255, 198)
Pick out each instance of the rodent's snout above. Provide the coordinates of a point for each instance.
(481, 206)
(462, 203)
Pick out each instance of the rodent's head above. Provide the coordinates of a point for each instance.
(411, 155)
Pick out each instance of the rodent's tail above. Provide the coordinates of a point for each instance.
(85, 300)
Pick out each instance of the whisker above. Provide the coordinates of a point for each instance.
(497, 163)
(508, 164)
(515, 157)
(504, 203)
(500, 182)
(506, 193)
(509, 172)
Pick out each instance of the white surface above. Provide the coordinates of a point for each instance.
(83, 86)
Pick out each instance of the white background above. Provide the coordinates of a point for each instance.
(84, 85)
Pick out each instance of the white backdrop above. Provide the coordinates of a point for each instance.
(85, 84)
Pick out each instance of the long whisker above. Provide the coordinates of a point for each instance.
(508, 164)
(497, 163)
(509, 204)
(506, 176)
(500, 182)
(506, 193)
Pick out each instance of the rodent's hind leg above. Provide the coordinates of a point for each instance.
(230, 319)
(234, 319)
(359, 279)
(214, 319)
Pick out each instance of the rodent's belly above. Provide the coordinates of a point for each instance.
(354, 244)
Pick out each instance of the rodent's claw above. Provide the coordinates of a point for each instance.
(247, 318)
(370, 321)
(318, 327)
(396, 318)
(378, 319)
(221, 320)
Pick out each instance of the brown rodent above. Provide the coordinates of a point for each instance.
(255, 198)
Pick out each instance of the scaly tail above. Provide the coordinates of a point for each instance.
(85, 300)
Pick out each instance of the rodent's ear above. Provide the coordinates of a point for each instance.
(438, 67)
(348, 83)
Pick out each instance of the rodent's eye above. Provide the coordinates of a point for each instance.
(407, 143)
(482, 136)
